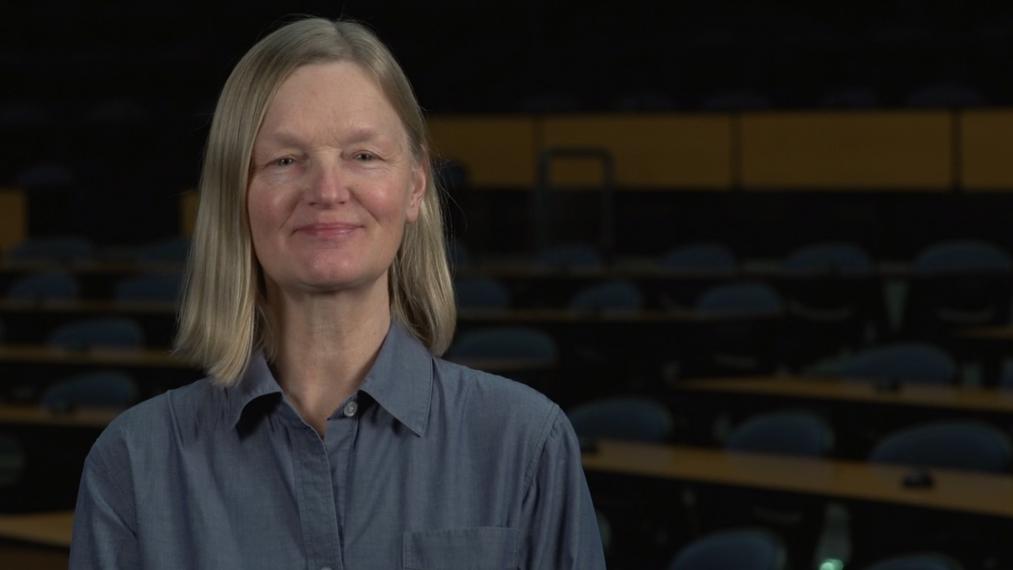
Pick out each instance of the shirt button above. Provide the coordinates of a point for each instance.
(349, 411)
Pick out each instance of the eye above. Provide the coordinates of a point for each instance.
(286, 161)
(364, 156)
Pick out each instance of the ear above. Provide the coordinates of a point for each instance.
(419, 183)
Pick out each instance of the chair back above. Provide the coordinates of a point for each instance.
(505, 342)
(629, 418)
(966, 445)
(55, 285)
(106, 388)
(615, 295)
(787, 433)
(741, 549)
(111, 332)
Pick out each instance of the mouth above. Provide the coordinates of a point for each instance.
(327, 230)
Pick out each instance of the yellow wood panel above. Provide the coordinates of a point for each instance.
(650, 151)
(44, 528)
(13, 217)
(848, 150)
(497, 151)
(986, 143)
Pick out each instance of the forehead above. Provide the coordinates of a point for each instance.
(322, 101)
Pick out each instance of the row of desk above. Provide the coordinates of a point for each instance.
(964, 399)
(953, 491)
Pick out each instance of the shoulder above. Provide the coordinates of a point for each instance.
(155, 423)
(494, 403)
(485, 390)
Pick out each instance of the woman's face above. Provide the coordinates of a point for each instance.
(333, 182)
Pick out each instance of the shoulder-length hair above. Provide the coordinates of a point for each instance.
(223, 318)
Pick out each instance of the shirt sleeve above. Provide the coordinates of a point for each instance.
(562, 532)
(104, 530)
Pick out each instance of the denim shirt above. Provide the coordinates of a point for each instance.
(428, 465)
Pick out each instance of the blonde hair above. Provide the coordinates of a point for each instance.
(222, 319)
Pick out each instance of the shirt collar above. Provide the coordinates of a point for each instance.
(401, 380)
(257, 381)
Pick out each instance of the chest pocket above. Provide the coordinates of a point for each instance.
(477, 548)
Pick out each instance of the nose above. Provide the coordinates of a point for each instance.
(328, 185)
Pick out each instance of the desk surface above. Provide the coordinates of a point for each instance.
(154, 358)
(86, 307)
(47, 529)
(26, 415)
(103, 356)
(999, 333)
(942, 397)
(967, 492)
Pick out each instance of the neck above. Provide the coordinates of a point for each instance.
(326, 345)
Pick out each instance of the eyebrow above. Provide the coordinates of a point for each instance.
(355, 135)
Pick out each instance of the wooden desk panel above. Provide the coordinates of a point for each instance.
(848, 150)
(98, 357)
(24, 415)
(13, 218)
(651, 151)
(979, 494)
(497, 150)
(986, 137)
(941, 397)
(46, 529)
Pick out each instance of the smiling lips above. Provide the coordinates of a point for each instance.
(327, 230)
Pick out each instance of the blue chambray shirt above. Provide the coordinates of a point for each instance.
(430, 465)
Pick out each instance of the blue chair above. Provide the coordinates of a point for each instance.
(926, 561)
(504, 343)
(787, 433)
(797, 520)
(570, 256)
(629, 418)
(154, 287)
(56, 285)
(741, 100)
(741, 549)
(57, 249)
(46, 175)
(750, 299)
(962, 256)
(880, 531)
(647, 101)
(835, 258)
(12, 461)
(481, 293)
(852, 97)
(168, 250)
(908, 362)
(628, 521)
(833, 298)
(107, 388)
(946, 95)
(958, 283)
(110, 332)
(965, 445)
(741, 335)
(713, 257)
(615, 295)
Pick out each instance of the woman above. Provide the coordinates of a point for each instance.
(327, 433)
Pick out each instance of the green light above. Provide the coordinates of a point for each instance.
(831, 564)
